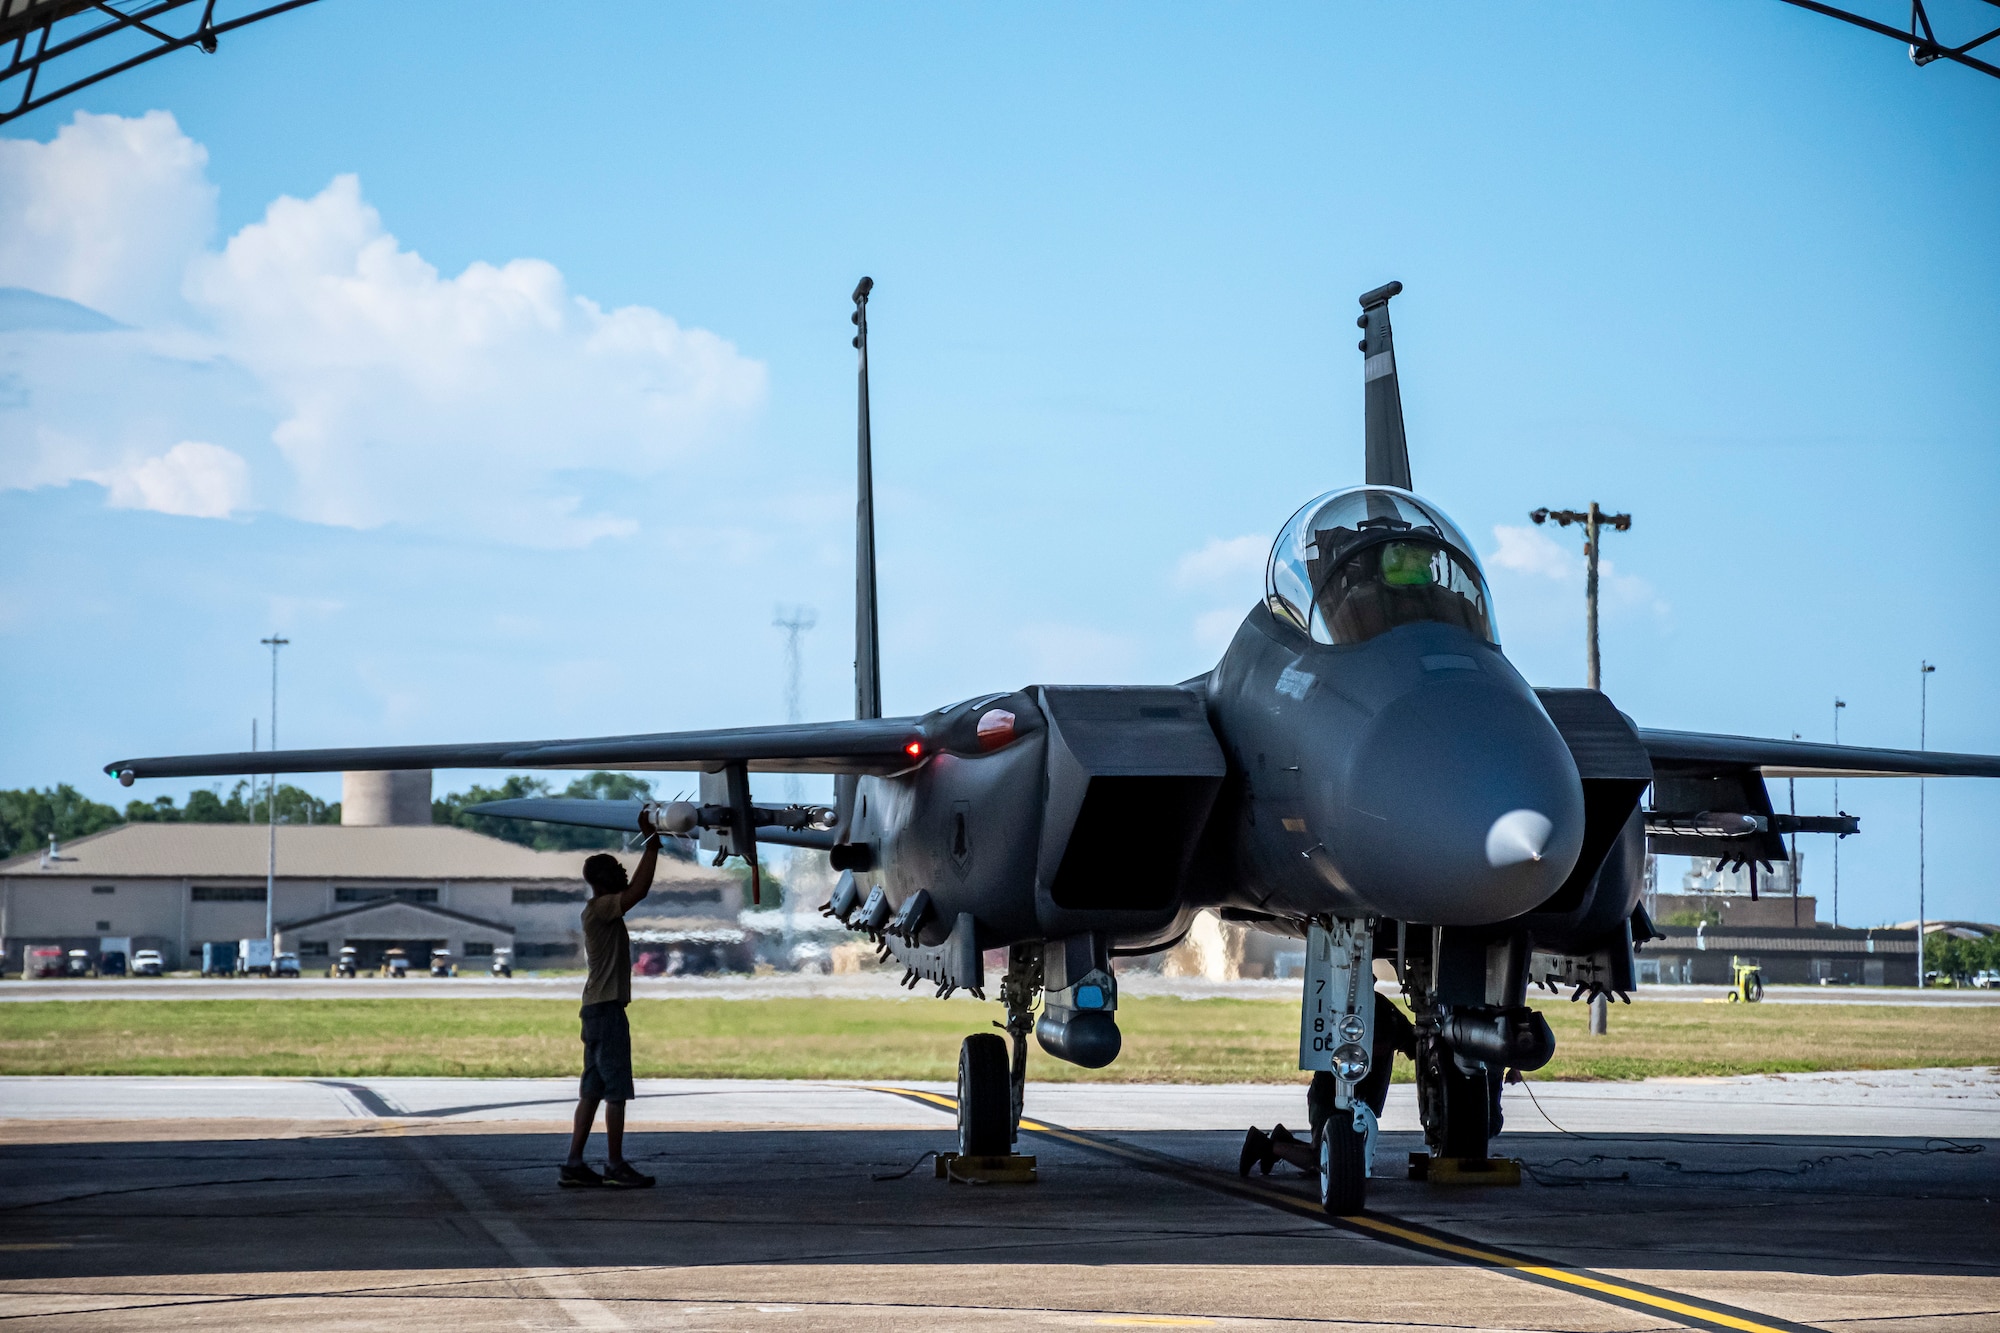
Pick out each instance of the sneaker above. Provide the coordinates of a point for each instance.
(625, 1177)
(578, 1177)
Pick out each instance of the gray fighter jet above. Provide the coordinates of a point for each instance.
(1364, 769)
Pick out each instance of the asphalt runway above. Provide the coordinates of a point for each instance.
(1826, 1201)
(864, 985)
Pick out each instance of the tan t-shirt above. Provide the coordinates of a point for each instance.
(609, 951)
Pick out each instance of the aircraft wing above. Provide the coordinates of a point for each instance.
(1701, 752)
(868, 745)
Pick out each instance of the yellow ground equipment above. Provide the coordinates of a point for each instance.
(1747, 982)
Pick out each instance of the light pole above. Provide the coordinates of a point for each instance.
(1792, 804)
(1923, 741)
(1594, 521)
(801, 619)
(1838, 704)
(271, 807)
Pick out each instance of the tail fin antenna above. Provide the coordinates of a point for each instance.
(1388, 452)
(867, 637)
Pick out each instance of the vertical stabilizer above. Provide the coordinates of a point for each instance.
(867, 640)
(1388, 452)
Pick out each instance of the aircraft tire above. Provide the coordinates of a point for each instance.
(985, 1096)
(1468, 1104)
(1343, 1181)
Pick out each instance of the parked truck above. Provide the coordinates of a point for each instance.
(218, 958)
(253, 958)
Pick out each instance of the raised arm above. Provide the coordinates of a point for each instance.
(642, 878)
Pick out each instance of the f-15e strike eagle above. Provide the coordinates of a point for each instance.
(1364, 769)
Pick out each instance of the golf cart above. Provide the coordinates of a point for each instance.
(395, 964)
(503, 963)
(347, 964)
(77, 964)
(441, 964)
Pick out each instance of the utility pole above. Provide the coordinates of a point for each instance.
(1594, 521)
(1838, 704)
(271, 807)
(1923, 742)
(1792, 802)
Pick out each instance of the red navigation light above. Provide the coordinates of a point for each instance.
(915, 749)
(996, 728)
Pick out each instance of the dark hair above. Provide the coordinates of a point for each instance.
(605, 873)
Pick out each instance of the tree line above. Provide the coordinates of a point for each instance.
(30, 817)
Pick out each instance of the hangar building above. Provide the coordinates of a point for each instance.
(417, 886)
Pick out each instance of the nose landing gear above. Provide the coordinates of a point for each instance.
(992, 1081)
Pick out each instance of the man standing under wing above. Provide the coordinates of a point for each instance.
(607, 1040)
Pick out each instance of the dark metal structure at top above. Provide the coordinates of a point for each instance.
(57, 47)
(1920, 36)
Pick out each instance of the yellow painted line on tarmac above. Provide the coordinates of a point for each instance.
(1582, 1281)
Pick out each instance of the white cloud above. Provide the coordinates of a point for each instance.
(371, 388)
(1226, 568)
(1224, 561)
(194, 479)
(1533, 552)
(106, 213)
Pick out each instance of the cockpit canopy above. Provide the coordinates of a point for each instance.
(1357, 563)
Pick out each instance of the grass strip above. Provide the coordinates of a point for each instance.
(1167, 1040)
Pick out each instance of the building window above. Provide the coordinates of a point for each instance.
(104, 925)
(478, 949)
(312, 948)
(688, 897)
(104, 888)
(545, 951)
(525, 896)
(379, 895)
(210, 894)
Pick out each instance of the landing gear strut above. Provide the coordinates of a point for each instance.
(1019, 989)
(1336, 1036)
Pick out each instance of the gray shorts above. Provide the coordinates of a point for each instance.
(607, 1053)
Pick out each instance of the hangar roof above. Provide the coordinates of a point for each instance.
(324, 851)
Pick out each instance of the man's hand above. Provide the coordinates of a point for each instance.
(642, 878)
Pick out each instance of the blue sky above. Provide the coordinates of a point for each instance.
(506, 372)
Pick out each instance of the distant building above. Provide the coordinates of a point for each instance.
(1823, 954)
(419, 887)
(1721, 894)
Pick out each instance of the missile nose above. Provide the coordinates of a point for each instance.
(1517, 836)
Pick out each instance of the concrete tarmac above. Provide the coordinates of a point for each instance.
(1827, 1201)
(856, 986)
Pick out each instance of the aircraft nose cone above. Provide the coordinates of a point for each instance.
(1517, 836)
(1462, 806)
